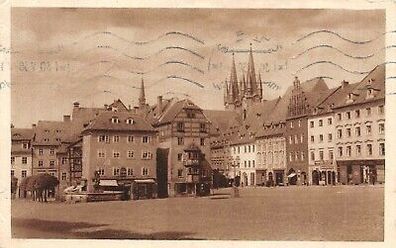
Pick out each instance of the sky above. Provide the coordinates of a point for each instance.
(93, 56)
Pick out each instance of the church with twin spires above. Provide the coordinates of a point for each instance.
(244, 92)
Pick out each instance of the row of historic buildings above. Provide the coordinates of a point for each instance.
(311, 135)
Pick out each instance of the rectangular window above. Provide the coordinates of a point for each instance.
(329, 121)
(202, 141)
(63, 176)
(357, 113)
(291, 124)
(358, 150)
(348, 115)
(368, 129)
(41, 152)
(368, 111)
(340, 153)
(25, 145)
(348, 151)
(302, 138)
(299, 123)
(40, 163)
(357, 131)
(145, 139)
(339, 116)
(381, 109)
(64, 160)
(180, 127)
(254, 163)
(339, 133)
(101, 154)
(290, 156)
(23, 173)
(116, 154)
(52, 163)
(130, 139)
(330, 137)
(12, 172)
(382, 149)
(312, 124)
(369, 149)
(179, 156)
(381, 128)
(104, 138)
(312, 156)
(146, 155)
(302, 156)
(180, 173)
(145, 171)
(116, 171)
(320, 123)
(130, 172)
(52, 151)
(245, 163)
(321, 156)
(312, 138)
(101, 171)
(130, 154)
(321, 138)
(295, 139)
(12, 160)
(331, 154)
(348, 131)
(253, 148)
(202, 127)
(290, 139)
(180, 141)
(116, 138)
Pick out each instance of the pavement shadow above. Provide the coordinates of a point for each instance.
(45, 229)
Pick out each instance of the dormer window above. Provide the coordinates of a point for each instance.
(130, 121)
(370, 93)
(115, 120)
(46, 131)
(114, 109)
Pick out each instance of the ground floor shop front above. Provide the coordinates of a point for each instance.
(370, 171)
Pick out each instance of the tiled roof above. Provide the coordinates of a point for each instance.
(221, 120)
(375, 80)
(21, 134)
(51, 132)
(104, 122)
(173, 108)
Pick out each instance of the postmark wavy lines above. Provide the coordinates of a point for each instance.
(168, 48)
(155, 68)
(331, 63)
(341, 36)
(62, 47)
(340, 51)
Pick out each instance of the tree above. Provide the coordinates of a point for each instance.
(39, 186)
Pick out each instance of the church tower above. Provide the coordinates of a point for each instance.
(143, 106)
(241, 94)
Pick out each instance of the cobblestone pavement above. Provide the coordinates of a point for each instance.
(283, 213)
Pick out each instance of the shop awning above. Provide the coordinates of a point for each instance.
(292, 174)
(144, 181)
(105, 182)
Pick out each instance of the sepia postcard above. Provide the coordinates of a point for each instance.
(210, 123)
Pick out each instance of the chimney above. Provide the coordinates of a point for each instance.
(33, 125)
(76, 104)
(344, 83)
(66, 118)
(159, 105)
(106, 106)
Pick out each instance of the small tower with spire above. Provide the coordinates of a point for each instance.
(143, 106)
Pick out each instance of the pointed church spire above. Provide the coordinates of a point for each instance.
(142, 97)
(234, 89)
(251, 74)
